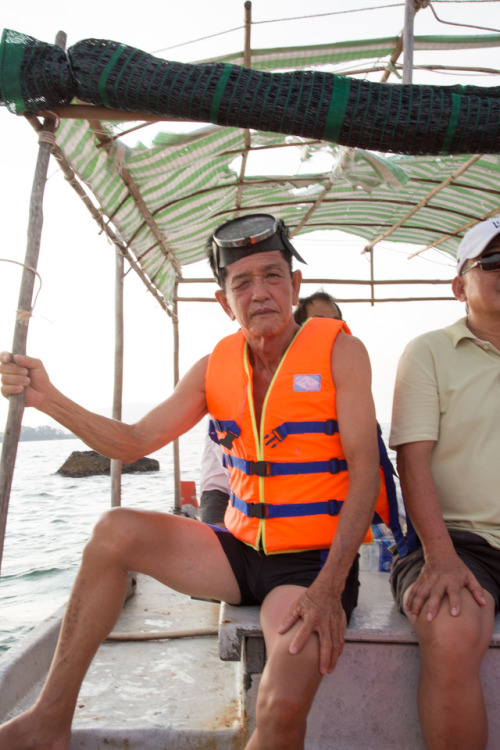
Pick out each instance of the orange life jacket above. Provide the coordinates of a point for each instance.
(288, 475)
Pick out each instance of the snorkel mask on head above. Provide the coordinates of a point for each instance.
(255, 233)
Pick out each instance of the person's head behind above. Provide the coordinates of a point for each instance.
(245, 236)
(317, 305)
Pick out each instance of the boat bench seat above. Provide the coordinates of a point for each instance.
(378, 670)
(375, 620)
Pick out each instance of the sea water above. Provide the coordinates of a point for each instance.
(51, 517)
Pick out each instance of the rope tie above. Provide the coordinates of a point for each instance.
(23, 316)
(45, 137)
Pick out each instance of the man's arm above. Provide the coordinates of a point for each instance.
(114, 439)
(443, 574)
(320, 606)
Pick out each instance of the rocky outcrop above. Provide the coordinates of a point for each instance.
(90, 463)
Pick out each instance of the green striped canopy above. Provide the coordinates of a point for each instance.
(191, 183)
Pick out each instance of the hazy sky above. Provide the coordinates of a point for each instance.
(72, 326)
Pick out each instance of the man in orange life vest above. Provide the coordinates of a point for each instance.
(281, 398)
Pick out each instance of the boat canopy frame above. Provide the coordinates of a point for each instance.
(144, 198)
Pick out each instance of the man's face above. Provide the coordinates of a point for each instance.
(260, 293)
(480, 289)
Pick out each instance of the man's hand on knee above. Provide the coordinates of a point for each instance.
(440, 578)
(319, 612)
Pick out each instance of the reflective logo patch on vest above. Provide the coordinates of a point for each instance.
(307, 382)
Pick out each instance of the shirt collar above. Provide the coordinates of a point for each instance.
(459, 331)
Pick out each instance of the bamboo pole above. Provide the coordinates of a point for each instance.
(408, 41)
(177, 461)
(424, 202)
(463, 228)
(352, 282)
(135, 193)
(16, 402)
(116, 465)
(104, 226)
(247, 61)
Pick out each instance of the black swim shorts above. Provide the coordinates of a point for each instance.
(257, 574)
(479, 556)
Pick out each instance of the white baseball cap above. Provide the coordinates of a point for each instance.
(476, 240)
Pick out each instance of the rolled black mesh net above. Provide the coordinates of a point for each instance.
(407, 119)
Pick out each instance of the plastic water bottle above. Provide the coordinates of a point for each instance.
(384, 555)
(369, 556)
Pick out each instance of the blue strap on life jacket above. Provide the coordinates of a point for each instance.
(404, 542)
(228, 426)
(286, 510)
(283, 468)
(325, 427)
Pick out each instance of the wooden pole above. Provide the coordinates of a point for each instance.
(35, 223)
(247, 61)
(408, 41)
(116, 465)
(177, 462)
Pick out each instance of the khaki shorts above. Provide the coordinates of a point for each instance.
(479, 556)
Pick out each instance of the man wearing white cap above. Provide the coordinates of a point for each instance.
(446, 430)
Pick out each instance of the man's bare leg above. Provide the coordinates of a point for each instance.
(289, 682)
(450, 696)
(182, 553)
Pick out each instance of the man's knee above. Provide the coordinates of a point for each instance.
(114, 533)
(452, 642)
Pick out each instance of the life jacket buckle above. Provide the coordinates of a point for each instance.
(274, 437)
(334, 507)
(260, 468)
(228, 439)
(331, 427)
(333, 465)
(258, 510)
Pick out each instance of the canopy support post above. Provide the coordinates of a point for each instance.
(408, 41)
(116, 465)
(177, 463)
(16, 402)
(372, 279)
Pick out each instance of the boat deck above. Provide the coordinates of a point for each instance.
(199, 692)
(148, 695)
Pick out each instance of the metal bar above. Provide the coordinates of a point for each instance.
(35, 224)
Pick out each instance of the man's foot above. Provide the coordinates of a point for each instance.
(25, 732)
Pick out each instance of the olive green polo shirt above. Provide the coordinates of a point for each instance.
(448, 390)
